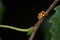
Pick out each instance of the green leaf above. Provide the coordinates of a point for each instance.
(1, 11)
(55, 27)
(1, 7)
(30, 31)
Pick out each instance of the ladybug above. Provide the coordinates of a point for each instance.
(41, 14)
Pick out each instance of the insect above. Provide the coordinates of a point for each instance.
(41, 14)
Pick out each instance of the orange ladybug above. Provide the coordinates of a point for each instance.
(41, 14)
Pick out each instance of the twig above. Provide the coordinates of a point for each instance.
(15, 28)
(36, 26)
(52, 6)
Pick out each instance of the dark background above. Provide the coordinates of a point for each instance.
(22, 14)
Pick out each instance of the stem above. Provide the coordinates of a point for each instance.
(15, 28)
(52, 6)
(36, 26)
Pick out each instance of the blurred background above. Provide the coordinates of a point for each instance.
(23, 14)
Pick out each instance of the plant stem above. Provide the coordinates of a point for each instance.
(15, 28)
(52, 6)
(36, 26)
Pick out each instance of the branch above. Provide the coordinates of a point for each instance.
(36, 26)
(15, 28)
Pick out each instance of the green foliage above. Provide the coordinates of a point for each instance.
(1, 11)
(1, 7)
(30, 31)
(55, 26)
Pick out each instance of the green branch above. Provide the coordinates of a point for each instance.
(15, 28)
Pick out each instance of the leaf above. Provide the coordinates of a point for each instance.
(30, 31)
(1, 7)
(55, 27)
(1, 11)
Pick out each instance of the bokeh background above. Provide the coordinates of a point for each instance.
(23, 14)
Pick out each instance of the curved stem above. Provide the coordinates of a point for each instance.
(15, 28)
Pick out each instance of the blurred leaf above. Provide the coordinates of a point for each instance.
(1, 11)
(30, 31)
(1, 7)
(55, 27)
